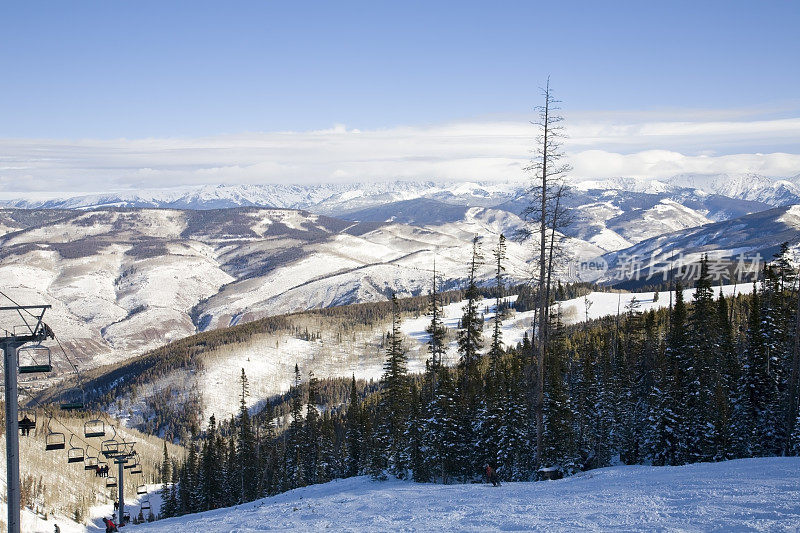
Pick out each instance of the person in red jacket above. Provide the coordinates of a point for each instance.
(110, 526)
(491, 475)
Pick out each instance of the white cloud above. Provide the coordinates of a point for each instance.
(463, 150)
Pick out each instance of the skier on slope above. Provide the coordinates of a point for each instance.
(491, 474)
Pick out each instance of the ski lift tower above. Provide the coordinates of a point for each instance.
(32, 329)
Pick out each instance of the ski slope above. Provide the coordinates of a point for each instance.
(743, 495)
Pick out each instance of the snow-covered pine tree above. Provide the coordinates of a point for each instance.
(666, 428)
(470, 385)
(354, 435)
(246, 459)
(795, 438)
(311, 440)
(189, 497)
(437, 344)
(514, 443)
(210, 482)
(414, 438)
(393, 406)
(231, 483)
(167, 509)
(558, 443)
(628, 351)
(173, 502)
(648, 355)
(761, 385)
(294, 458)
(470, 336)
(489, 423)
(441, 432)
(726, 443)
(701, 376)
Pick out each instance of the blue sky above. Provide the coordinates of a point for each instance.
(189, 70)
(140, 69)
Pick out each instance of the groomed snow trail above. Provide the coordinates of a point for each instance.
(741, 495)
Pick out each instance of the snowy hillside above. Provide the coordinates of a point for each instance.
(125, 281)
(269, 359)
(741, 495)
(758, 233)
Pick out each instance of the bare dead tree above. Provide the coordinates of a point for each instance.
(545, 215)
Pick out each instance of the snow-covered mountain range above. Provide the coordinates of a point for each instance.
(125, 278)
(339, 198)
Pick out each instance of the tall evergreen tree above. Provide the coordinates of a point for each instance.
(393, 408)
(294, 456)
(667, 432)
(701, 376)
(470, 336)
(246, 459)
(312, 441)
(354, 435)
(211, 486)
(761, 384)
(167, 506)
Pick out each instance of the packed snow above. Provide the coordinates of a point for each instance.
(742, 495)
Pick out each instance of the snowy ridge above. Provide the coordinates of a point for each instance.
(740, 495)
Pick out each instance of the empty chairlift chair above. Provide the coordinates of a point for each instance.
(110, 447)
(94, 428)
(75, 454)
(54, 441)
(146, 504)
(141, 489)
(132, 462)
(91, 463)
(75, 401)
(34, 359)
(111, 482)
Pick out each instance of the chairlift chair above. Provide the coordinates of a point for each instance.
(137, 469)
(74, 404)
(94, 428)
(55, 441)
(111, 482)
(109, 448)
(132, 464)
(90, 463)
(28, 422)
(75, 454)
(146, 505)
(141, 489)
(34, 359)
